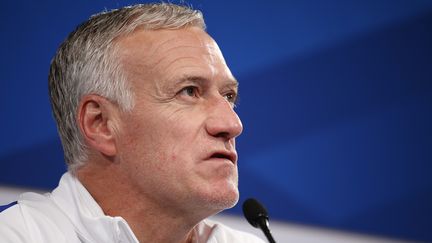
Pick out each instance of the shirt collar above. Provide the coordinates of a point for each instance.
(91, 224)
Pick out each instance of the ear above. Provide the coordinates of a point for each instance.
(98, 124)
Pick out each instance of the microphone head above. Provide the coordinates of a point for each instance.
(254, 212)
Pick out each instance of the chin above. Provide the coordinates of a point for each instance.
(219, 201)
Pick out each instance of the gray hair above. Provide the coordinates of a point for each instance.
(86, 63)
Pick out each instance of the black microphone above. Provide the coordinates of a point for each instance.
(256, 215)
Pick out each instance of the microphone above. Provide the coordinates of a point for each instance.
(257, 216)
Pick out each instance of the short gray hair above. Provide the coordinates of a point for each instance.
(86, 63)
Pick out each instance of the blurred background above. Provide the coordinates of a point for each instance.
(335, 98)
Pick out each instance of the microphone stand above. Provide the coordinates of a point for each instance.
(264, 226)
(257, 216)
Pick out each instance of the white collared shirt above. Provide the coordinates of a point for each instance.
(70, 214)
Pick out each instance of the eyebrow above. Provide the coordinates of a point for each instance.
(199, 79)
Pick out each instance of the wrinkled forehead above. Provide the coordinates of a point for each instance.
(163, 55)
(152, 45)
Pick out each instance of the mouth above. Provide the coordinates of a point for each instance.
(232, 156)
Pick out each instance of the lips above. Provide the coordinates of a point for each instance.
(232, 156)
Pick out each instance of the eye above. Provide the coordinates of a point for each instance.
(231, 97)
(191, 91)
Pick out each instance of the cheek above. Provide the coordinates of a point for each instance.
(168, 135)
(184, 127)
(137, 139)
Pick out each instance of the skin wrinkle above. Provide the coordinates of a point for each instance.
(229, 84)
(156, 63)
(159, 86)
(154, 66)
(160, 170)
(170, 63)
(202, 83)
(159, 46)
(210, 51)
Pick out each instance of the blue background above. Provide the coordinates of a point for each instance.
(336, 100)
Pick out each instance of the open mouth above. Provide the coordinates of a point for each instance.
(222, 155)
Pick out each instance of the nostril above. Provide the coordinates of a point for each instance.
(222, 135)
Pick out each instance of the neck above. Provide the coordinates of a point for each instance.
(150, 221)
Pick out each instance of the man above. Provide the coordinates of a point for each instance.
(143, 101)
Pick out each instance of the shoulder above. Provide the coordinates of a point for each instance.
(12, 224)
(221, 233)
(31, 219)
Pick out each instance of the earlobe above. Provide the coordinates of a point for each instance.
(96, 119)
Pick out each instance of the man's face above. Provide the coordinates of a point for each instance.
(177, 145)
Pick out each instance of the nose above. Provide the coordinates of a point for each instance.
(223, 121)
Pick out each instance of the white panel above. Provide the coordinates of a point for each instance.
(282, 232)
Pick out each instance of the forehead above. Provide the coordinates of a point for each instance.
(188, 51)
(155, 40)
